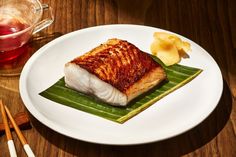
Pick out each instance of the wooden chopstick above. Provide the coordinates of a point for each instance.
(26, 146)
(10, 142)
(21, 119)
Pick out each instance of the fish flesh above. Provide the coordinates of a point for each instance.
(115, 72)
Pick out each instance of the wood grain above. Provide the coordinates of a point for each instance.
(211, 24)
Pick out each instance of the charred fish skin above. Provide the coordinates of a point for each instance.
(121, 65)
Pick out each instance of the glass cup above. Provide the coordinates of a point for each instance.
(19, 20)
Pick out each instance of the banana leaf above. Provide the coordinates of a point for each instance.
(178, 75)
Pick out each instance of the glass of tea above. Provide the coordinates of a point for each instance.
(19, 20)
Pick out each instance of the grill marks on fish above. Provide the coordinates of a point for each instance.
(120, 64)
(115, 72)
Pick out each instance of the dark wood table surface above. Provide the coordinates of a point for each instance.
(210, 23)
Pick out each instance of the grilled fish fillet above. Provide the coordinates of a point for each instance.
(115, 72)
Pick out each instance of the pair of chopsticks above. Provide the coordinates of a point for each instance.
(5, 112)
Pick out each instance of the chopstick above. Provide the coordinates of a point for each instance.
(26, 146)
(10, 142)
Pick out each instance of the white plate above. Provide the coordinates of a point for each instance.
(174, 114)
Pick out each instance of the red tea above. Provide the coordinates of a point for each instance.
(10, 26)
(9, 41)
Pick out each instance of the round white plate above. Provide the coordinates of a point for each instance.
(172, 115)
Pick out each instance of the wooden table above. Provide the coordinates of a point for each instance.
(211, 24)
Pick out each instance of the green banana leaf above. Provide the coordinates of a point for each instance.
(178, 75)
